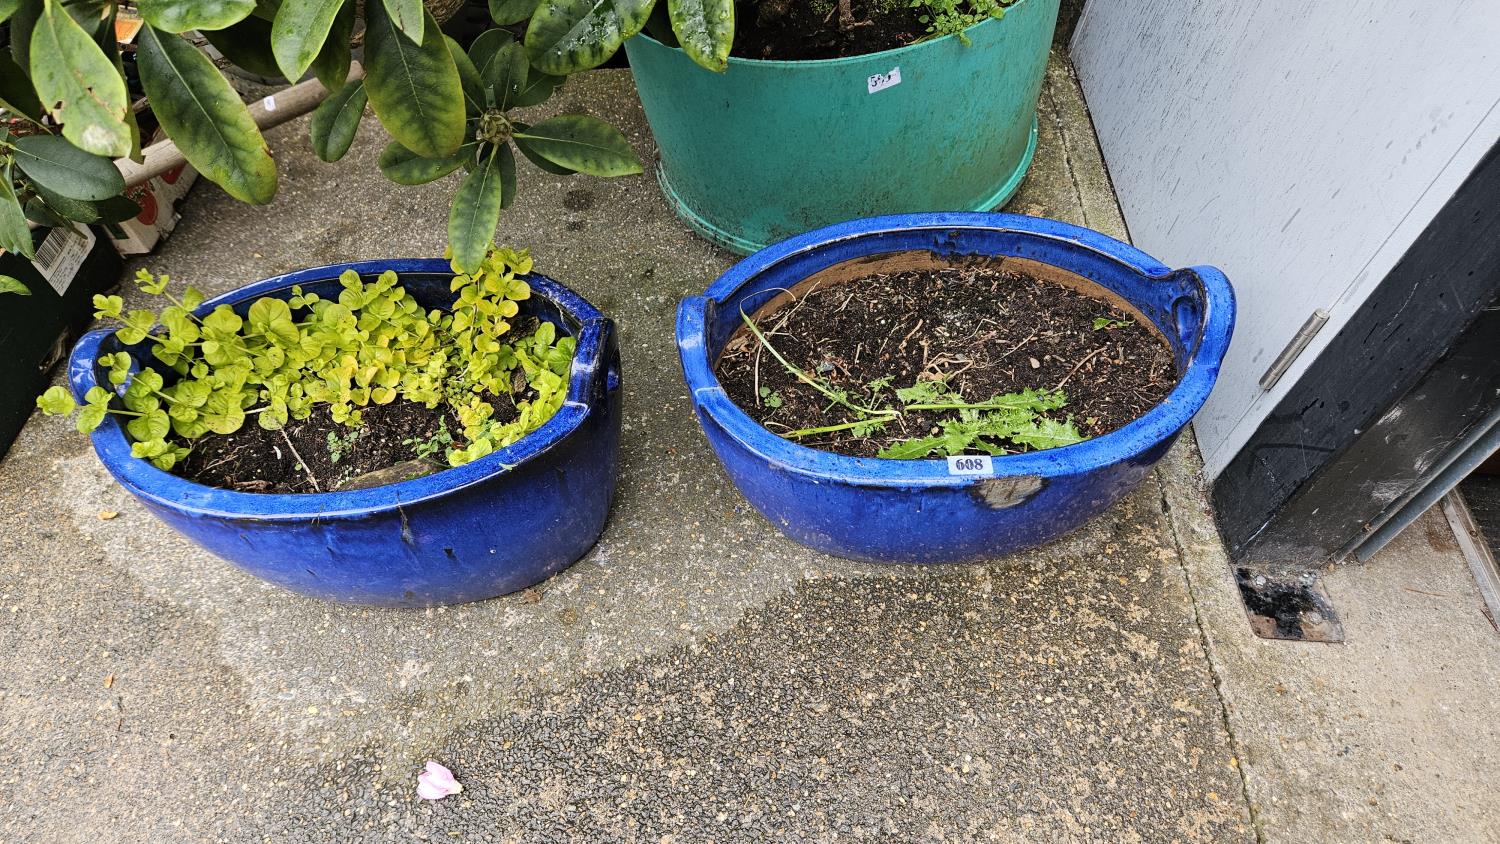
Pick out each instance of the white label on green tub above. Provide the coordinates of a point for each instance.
(882, 81)
(970, 464)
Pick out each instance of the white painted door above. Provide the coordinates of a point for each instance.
(1300, 147)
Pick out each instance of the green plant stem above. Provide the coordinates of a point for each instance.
(968, 406)
(808, 379)
(826, 429)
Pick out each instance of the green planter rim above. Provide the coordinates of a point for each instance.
(863, 57)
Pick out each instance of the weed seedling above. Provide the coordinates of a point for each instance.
(434, 445)
(338, 445)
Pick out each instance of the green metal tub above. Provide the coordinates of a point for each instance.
(769, 149)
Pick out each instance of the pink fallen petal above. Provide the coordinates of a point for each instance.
(436, 782)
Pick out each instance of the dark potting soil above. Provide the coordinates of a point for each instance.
(795, 30)
(317, 454)
(985, 331)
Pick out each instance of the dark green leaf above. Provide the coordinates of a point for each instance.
(507, 176)
(583, 143)
(405, 167)
(484, 49)
(298, 34)
(92, 16)
(15, 235)
(22, 25)
(567, 36)
(705, 30)
(539, 86)
(248, 45)
(38, 212)
(266, 9)
(78, 84)
(112, 210)
(16, 92)
(407, 15)
(476, 210)
(659, 26)
(506, 12)
(468, 75)
(117, 209)
(206, 119)
(544, 164)
(11, 284)
(336, 120)
(505, 75)
(415, 90)
(525, 147)
(332, 64)
(66, 169)
(112, 52)
(183, 15)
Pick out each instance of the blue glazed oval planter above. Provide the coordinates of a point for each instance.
(496, 525)
(916, 511)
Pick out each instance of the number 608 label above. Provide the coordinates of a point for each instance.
(970, 464)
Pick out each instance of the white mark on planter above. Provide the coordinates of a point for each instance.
(1008, 491)
(882, 81)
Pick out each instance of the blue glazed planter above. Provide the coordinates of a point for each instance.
(915, 511)
(499, 524)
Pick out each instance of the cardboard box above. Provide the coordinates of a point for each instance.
(37, 330)
(158, 199)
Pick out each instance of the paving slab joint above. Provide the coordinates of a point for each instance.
(1214, 669)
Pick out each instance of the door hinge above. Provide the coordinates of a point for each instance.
(1294, 349)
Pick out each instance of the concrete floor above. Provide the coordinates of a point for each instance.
(697, 677)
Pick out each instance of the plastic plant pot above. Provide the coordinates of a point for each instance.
(768, 149)
(493, 526)
(950, 510)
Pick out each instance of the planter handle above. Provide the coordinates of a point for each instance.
(1205, 316)
(81, 374)
(599, 359)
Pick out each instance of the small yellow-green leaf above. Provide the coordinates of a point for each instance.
(11, 284)
(56, 401)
